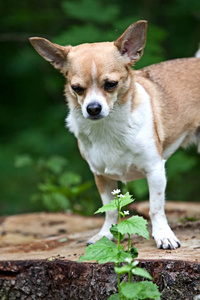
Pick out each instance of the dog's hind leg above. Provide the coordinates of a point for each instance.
(105, 187)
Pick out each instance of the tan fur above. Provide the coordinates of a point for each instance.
(101, 183)
(79, 68)
(80, 149)
(179, 96)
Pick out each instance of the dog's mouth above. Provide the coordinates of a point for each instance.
(95, 118)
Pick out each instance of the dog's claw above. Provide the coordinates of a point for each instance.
(99, 236)
(166, 240)
(167, 243)
(89, 243)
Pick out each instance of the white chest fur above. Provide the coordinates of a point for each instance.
(120, 146)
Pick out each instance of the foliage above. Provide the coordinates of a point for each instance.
(140, 290)
(58, 189)
(32, 104)
(105, 251)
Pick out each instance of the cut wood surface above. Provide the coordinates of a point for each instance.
(42, 235)
(48, 246)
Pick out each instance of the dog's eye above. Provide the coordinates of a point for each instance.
(77, 89)
(110, 85)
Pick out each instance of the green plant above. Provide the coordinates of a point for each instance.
(107, 251)
(57, 188)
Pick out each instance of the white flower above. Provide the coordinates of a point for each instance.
(128, 260)
(121, 196)
(126, 212)
(116, 192)
(135, 263)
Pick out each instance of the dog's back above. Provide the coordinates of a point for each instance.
(177, 83)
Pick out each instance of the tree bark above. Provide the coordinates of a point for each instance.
(39, 254)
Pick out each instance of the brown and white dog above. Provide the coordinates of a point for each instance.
(128, 122)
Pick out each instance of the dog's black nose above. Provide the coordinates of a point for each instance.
(94, 109)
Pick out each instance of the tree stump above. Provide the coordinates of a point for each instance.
(39, 257)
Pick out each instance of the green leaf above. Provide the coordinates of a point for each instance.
(116, 203)
(104, 251)
(133, 251)
(141, 272)
(68, 179)
(76, 191)
(114, 232)
(47, 187)
(123, 269)
(114, 297)
(56, 164)
(140, 290)
(125, 200)
(23, 161)
(107, 207)
(134, 225)
(55, 201)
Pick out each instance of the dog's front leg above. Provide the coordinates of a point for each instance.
(161, 232)
(105, 187)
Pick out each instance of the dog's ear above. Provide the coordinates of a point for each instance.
(55, 54)
(132, 42)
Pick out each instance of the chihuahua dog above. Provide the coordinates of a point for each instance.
(128, 122)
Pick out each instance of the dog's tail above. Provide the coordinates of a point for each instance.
(197, 54)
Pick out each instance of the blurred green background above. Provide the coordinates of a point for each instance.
(40, 166)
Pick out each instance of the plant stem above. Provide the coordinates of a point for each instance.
(118, 247)
(118, 242)
(129, 241)
(119, 287)
(129, 277)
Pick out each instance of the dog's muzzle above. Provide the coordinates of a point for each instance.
(94, 110)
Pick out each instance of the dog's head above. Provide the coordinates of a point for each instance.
(97, 74)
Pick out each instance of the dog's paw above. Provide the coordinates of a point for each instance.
(99, 236)
(168, 243)
(166, 240)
